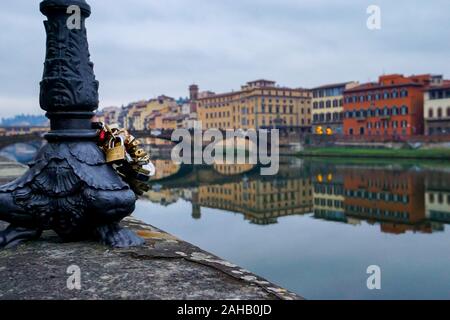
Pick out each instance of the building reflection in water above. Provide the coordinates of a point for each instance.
(399, 200)
(394, 199)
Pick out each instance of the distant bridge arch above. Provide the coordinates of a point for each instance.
(6, 141)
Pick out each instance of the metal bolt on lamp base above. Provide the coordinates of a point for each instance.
(69, 187)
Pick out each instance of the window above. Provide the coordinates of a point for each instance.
(404, 93)
(395, 94)
(404, 110)
(394, 110)
(430, 113)
(377, 112)
(448, 111)
(439, 113)
(386, 95)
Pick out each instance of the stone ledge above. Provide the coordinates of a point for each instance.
(165, 268)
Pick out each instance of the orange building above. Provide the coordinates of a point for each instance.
(394, 199)
(391, 107)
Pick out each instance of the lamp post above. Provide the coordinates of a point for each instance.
(69, 187)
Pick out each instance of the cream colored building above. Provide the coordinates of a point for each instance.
(328, 107)
(259, 104)
(437, 107)
(328, 195)
(437, 205)
(138, 114)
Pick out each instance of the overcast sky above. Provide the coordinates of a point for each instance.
(143, 48)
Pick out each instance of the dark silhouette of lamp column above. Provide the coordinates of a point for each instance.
(69, 188)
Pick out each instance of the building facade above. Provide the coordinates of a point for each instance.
(258, 105)
(138, 114)
(437, 108)
(328, 108)
(391, 107)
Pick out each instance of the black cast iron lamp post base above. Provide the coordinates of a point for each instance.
(69, 187)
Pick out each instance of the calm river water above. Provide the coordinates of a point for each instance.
(317, 226)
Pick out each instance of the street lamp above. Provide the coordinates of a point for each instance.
(69, 188)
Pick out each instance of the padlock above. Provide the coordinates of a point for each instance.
(139, 153)
(115, 153)
(134, 172)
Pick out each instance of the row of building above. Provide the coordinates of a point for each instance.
(399, 201)
(395, 105)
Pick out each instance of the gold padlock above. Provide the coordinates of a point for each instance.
(115, 152)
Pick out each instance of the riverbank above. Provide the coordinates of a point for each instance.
(165, 268)
(374, 153)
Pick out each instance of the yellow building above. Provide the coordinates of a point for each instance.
(133, 118)
(164, 169)
(328, 108)
(261, 202)
(259, 104)
(164, 197)
(138, 115)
